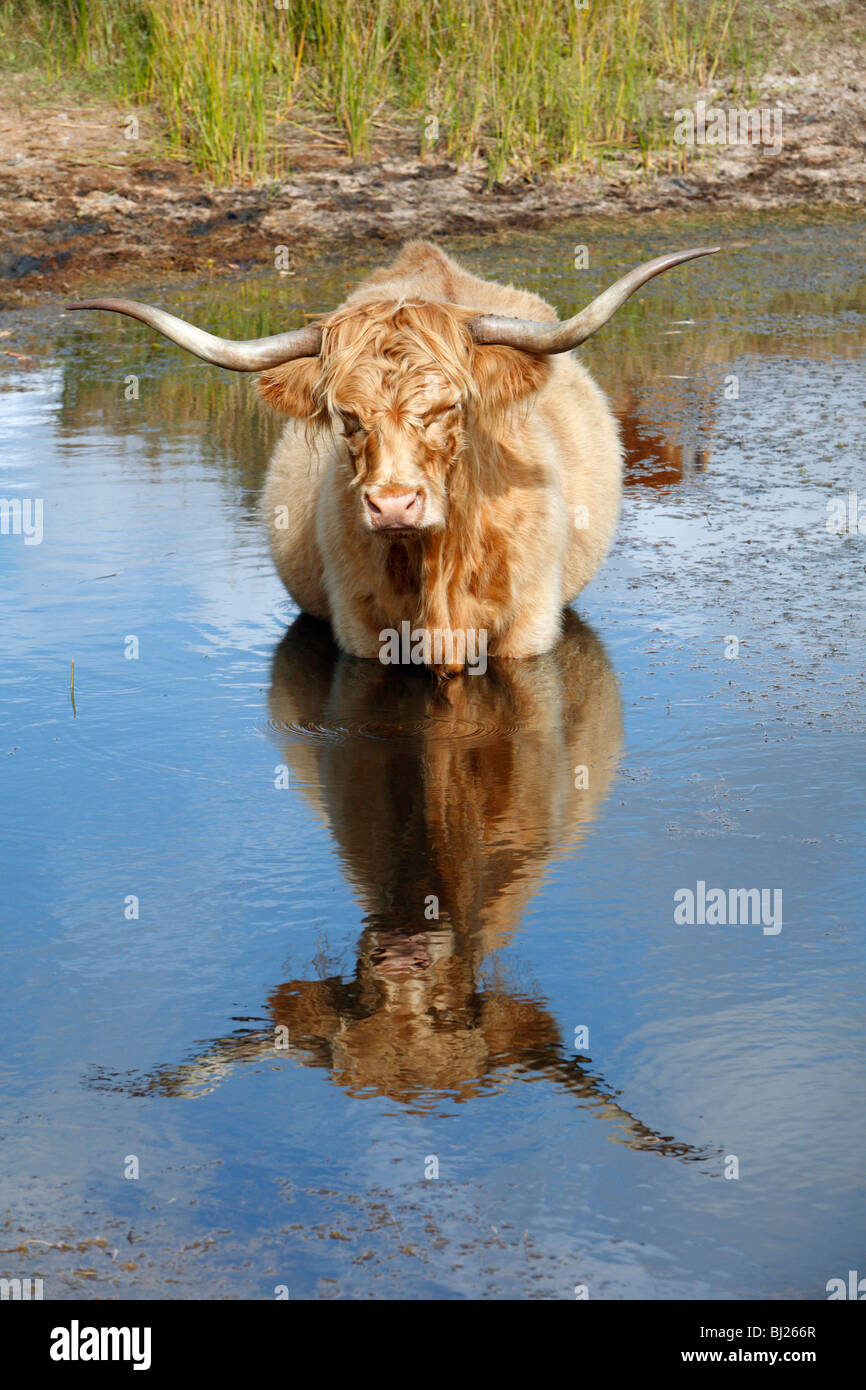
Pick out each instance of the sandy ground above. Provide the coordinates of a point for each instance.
(83, 206)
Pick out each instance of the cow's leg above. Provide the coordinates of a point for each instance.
(354, 629)
(537, 623)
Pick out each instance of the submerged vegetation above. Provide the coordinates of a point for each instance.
(552, 84)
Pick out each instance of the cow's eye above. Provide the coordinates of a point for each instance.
(438, 413)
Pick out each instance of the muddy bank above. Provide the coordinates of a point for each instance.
(83, 206)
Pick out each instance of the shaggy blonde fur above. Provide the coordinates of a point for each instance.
(517, 458)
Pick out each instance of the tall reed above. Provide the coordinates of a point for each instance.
(554, 83)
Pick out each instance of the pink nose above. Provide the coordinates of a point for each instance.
(395, 511)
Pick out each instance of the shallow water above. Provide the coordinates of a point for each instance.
(281, 1039)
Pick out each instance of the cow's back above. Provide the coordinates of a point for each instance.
(422, 271)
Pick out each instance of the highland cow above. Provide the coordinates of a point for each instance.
(446, 463)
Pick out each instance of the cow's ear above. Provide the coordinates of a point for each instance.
(289, 387)
(505, 375)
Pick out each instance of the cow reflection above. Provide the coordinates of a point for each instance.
(447, 801)
(665, 428)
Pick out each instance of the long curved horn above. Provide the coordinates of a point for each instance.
(251, 356)
(533, 335)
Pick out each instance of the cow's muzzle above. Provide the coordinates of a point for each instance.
(395, 509)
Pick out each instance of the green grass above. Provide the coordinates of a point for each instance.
(528, 87)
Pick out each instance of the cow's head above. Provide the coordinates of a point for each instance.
(404, 383)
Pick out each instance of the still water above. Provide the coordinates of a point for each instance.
(241, 1053)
